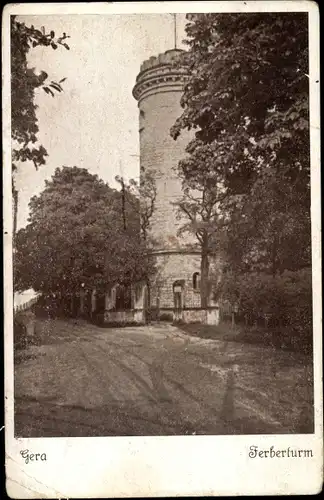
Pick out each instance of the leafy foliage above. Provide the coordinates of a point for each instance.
(285, 299)
(247, 101)
(75, 237)
(24, 83)
(269, 229)
(247, 94)
(141, 198)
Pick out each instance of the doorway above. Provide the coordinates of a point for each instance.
(178, 287)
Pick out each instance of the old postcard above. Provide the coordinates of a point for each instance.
(162, 243)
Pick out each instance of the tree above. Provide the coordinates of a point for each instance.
(269, 229)
(141, 197)
(284, 300)
(247, 100)
(202, 195)
(24, 83)
(75, 238)
(248, 88)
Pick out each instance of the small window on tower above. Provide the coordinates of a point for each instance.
(196, 281)
(141, 121)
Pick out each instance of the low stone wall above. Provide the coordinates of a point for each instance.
(131, 316)
(194, 315)
(209, 316)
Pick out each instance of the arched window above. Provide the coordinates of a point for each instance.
(196, 281)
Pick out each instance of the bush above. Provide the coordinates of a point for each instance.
(24, 329)
(282, 301)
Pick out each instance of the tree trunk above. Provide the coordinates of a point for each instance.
(274, 254)
(204, 282)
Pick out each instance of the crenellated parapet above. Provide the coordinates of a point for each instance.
(160, 74)
(169, 57)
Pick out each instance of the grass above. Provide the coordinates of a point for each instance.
(284, 338)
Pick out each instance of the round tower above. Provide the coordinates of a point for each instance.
(158, 90)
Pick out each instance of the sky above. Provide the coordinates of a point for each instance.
(93, 124)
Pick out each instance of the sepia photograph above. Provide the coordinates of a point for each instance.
(161, 226)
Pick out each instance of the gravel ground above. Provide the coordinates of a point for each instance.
(83, 380)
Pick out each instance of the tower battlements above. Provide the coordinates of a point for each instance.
(160, 74)
(168, 57)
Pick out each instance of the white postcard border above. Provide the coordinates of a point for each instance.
(164, 466)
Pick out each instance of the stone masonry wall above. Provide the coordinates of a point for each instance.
(174, 267)
(160, 154)
(171, 268)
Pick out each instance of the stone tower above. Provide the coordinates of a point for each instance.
(158, 90)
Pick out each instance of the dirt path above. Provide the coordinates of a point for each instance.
(154, 380)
